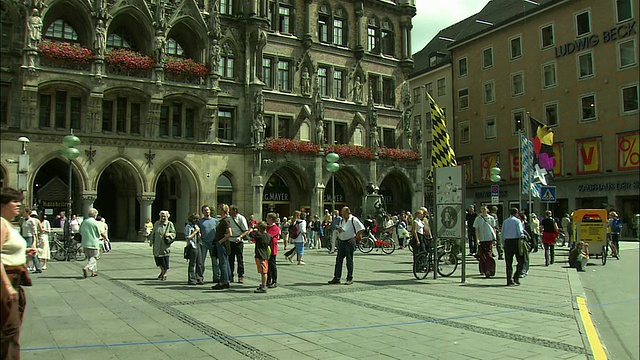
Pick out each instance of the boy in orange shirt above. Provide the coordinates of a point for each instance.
(262, 240)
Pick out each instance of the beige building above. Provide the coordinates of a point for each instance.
(182, 103)
(572, 64)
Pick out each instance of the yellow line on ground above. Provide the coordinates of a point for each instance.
(592, 334)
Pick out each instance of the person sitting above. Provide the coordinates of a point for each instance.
(579, 256)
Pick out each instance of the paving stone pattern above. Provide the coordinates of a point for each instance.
(125, 313)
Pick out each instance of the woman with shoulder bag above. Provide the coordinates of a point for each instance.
(192, 249)
(162, 236)
(549, 234)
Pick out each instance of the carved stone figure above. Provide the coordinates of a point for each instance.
(259, 103)
(305, 82)
(34, 28)
(159, 48)
(100, 41)
(258, 128)
(320, 132)
(215, 56)
(357, 90)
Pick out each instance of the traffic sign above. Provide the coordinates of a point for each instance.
(495, 190)
(548, 194)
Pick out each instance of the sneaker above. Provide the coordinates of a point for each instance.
(334, 281)
(200, 282)
(44, 267)
(290, 258)
(220, 287)
(241, 280)
(349, 282)
(271, 286)
(260, 290)
(301, 262)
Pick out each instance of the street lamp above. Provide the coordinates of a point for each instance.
(70, 152)
(332, 167)
(23, 164)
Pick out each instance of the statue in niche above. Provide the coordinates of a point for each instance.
(320, 132)
(159, 48)
(305, 82)
(259, 103)
(357, 90)
(100, 41)
(34, 29)
(258, 128)
(215, 56)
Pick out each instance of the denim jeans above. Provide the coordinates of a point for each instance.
(345, 250)
(549, 250)
(36, 262)
(200, 268)
(194, 267)
(224, 262)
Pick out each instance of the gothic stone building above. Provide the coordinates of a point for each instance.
(177, 103)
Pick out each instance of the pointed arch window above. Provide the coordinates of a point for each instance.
(174, 48)
(224, 190)
(373, 36)
(339, 27)
(226, 65)
(121, 38)
(324, 24)
(60, 30)
(387, 38)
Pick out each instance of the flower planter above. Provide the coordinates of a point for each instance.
(64, 55)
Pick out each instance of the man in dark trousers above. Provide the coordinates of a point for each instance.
(239, 229)
(471, 231)
(350, 232)
(512, 232)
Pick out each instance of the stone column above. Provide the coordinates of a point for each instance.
(87, 202)
(146, 200)
(257, 185)
(317, 201)
(132, 232)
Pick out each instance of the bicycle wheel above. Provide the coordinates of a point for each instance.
(366, 245)
(388, 246)
(79, 253)
(421, 266)
(58, 252)
(447, 264)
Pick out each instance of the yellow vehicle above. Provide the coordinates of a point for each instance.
(590, 226)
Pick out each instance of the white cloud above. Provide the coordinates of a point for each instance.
(435, 15)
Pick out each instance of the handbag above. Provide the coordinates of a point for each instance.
(167, 240)
(187, 251)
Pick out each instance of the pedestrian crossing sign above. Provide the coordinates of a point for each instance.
(548, 194)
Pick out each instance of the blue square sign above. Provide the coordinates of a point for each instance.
(548, 194)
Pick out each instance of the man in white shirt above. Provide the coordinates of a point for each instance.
(239, 229)
(350, 232)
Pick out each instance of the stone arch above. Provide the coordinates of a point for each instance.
(224, 197)
(396, 188)
(76, 14)
(353, 183)
(49, 184)
(119, 182)
(59, 84)
(191, 35)
(136, 171)
(358, 121)
(298, 186)
(128, 16)
(177, 188)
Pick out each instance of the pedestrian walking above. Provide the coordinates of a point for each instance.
(207, 225)
(284, 231)
(471, 231)
(162, 236)
(534, 231)
(298, 236)
(512, 233)
(192, 237)
(565, 222)
(335, 222)
(13, 262)
(30, 229)
(498, 241)
(239, 229)
(92, 234)
(549, 234)
(274, 231)
(221, 241)
(350, 232)
(44, 250)
(485, 226)
(420, 233)
(615, 227)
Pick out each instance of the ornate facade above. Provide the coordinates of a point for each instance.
(176, 103)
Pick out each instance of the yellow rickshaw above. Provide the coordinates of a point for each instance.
(590, 226)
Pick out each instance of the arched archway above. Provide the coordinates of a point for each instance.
(224, 189)
(51, 189)
(116, 199)
(352, 185)
(396, 191)
(286, 191)
(176, 191)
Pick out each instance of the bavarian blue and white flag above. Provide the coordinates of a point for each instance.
(528, 185)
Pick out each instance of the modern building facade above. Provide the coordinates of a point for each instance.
(184, 103)
(572, 64)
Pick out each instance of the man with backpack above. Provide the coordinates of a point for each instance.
(297, 236)
(350, 232)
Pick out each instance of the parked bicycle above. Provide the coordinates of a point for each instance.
(447, 260)
(370, 242)
(65, 250)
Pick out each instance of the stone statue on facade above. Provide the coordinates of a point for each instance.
(34, 29)
(357, 90)
(319, 132)
(215, 57)
(305, 82)
(258, 128)
(159, 48)
(99, 43)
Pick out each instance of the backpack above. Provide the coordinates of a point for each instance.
(616, 225)
(294, 231)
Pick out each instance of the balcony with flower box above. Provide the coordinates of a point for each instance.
(184, 70)
(126, 62)
(65, 55)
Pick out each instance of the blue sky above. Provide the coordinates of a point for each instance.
(435, 15)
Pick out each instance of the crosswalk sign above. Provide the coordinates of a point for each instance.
(548, 194)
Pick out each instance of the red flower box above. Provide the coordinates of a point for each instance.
(126, 59)
(350, 151)
(284, 145)
(63, 51)
(398, 154)
(185, 67)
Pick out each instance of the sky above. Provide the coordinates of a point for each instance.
(435, 15)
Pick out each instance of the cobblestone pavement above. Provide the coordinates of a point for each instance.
(125, 313)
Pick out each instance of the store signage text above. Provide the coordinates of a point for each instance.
(609, 186)
(487, 194)
(586, 42)
(275, 196)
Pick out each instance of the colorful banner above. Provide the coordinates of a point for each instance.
(629, 151)
(487, 161)
(557, 155)
(441, 153)
(514, 164)
(468, 170)
(589, 156)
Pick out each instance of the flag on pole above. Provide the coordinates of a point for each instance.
(442, 153)
(542, 145)
(528, 168)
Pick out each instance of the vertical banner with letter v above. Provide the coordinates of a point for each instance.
(589, 155)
